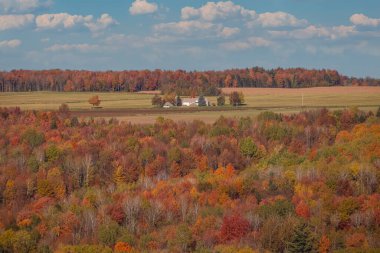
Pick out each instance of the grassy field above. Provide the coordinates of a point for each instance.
(136, 107)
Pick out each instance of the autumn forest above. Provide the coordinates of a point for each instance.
(179, 82)
(304, 182)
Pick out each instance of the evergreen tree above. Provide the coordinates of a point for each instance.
(201, 101)
(303, 240)
(378, 112)
(178, 101)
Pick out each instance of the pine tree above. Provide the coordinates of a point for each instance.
(201, 101)
(302, 241)
(178, 101)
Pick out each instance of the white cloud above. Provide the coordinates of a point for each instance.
(312, 31)
(229, 31)
(251, 42)
(101, 23)
(142, 7)
(361, 19)
(185, 27)
(15, 21)
(277, 19)
(220, 10)
(10, 43)
(65, 20)
(72, 47)
(21, 5)
(61, 20)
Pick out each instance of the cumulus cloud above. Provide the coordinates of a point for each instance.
(220, 10)
(101, 23)
(363, 20)
(277, 19)
(185, 27)
(15, 21)
(61, 20)
(72, 47)
(251, 42)
(10, 43)
(312, 31)
(229, 31)
(65, 20)
(142, 7)
(22, 5)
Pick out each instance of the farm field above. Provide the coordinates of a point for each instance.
(137, 108)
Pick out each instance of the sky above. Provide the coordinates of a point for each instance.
(191, 34)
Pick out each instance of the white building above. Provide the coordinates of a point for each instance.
(168, 105)
(192, 101)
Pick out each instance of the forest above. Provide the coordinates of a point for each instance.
(179, 82)
(305, 182)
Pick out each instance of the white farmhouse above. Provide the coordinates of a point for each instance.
(192, 101)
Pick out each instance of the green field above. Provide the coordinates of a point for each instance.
(127, 106)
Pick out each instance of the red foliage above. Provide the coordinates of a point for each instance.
(234, 227)
(116, 213)
(303, 210)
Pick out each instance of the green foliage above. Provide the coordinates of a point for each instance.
(33, 164)
(183, 237)
(277, 132)
(52, 153)
(108, 233)
(269, 115)
(85, 249)
(174, 155)
(303, 241)
(33, 138)
(248, 148)
(20, 241)
(280, 208)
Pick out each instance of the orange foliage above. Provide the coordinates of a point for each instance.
(122, 247)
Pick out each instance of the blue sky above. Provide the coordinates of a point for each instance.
(191, 34)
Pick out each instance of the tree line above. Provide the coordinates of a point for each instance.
(179, 82)
(305, 182)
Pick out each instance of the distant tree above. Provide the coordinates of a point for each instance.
(324, 244)
(178, 101)
(183, 237)
(169, 97)
(378, 112)
(64, 110)
(303, 241)
(33, 138)
(122, 247)
(234, 227)
(248, 147)
(157, 101)
(221, 100)
(236, 98)
(108, 233)
(202, 101)
(94, 101)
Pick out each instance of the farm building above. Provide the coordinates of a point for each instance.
(192, 101)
